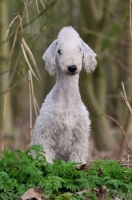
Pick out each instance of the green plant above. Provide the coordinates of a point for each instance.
(20, 171)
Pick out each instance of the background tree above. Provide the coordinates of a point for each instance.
(94, 16)
(5, 98)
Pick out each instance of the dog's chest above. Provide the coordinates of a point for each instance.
(69, 117)
(68, 98)
(65, 108)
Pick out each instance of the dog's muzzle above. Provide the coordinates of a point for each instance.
(72, 69)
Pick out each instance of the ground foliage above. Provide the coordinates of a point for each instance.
(19, 171)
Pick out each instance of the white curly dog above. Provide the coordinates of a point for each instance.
(63, 126)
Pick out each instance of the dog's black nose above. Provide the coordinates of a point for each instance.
(72, 68)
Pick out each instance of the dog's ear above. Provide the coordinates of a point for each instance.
(89, 61)
(50, 58)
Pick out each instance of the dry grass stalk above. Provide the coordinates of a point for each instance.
(12, 48)
(20, 20)
(26, 58)
(32, 98)
(124, 133)
(128, 160)
(10, 27)
(19, 26)
(26, 9)
(125, 98)
(42, 4)
(37, 6)
(4, 111)
(122, 143)
(13, 71)
(30, 102)
(5, 93)
(36, 107)
(15, 38)
(7, 86)
(31, 55)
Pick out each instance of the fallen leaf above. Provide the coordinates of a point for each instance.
(35, 193)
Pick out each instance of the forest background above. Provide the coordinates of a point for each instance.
(27, 28)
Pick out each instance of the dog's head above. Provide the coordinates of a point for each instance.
(70, 53)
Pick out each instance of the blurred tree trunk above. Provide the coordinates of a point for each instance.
(94, 16)
(4, 56)
(19, 92)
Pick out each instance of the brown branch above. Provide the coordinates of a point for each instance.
(118, 62)
(9, 89)
(122, 143)
(130, 151)
(124, 96)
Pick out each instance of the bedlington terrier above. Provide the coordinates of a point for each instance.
(63, 126)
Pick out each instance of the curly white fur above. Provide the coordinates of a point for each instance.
(63, 126)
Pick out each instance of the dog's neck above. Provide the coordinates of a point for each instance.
(67, 82)
(66, 90)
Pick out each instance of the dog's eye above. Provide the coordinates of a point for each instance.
(59, 51)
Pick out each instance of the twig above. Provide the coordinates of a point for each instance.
(126, 159)
(130, 151)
